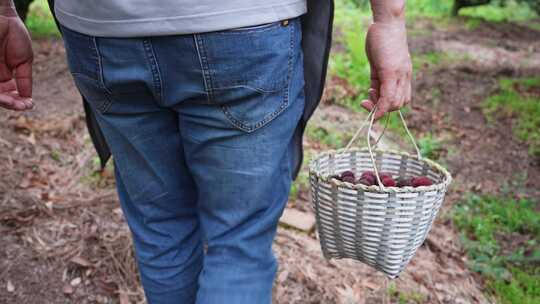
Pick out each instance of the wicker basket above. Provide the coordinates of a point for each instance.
(380, 226)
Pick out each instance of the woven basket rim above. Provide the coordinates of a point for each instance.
(436, 187)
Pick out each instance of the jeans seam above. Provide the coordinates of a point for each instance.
(105, 107)
(203, 60)
(154, 68)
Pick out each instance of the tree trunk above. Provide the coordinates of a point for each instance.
(22, 8)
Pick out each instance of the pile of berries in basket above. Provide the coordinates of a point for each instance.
(368, 178)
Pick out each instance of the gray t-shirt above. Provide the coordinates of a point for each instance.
(135, 18)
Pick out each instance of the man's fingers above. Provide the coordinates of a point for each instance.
(11, 100)
(373, 95)
(368, 105)
(8, 86)
(23, 78)
(382, 108)
(399, 97)
(387, 95)
(408, 95)
(6, 101)
(5, 72)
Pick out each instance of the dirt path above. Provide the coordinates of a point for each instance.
(65, 240)
(487, 155)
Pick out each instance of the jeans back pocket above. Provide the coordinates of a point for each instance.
(247, 72)
(85, 66)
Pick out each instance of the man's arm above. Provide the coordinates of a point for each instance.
(388, 54)
(15, 60)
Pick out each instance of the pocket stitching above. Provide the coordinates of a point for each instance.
(284, 104)
(106, 105)
(100, 67)
(247, 86)
(252, 84)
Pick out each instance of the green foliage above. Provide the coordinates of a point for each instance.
(516, 98)
(39, 21)
(395, 124)
(334, 140)
(533, 25)
(428, 60)
(473, 23)
(504, 11)
(430, 146)
(433, 59)
(485, 221)
(352, 64)
(524, 289)
(301, 184)
(431, 8)
(56, 155)
(412, 297)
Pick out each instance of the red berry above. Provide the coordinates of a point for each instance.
(348, 179)
(384, 175)
(368, 173)
(367, 180)
(388, 182)
(404, 182)
(347, 173)
(421, 181)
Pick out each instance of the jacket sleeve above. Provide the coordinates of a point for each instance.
(316, 43)
(94, 130)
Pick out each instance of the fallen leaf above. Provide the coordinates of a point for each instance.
(371, 285)
(22, 123)
(67, 289)
(75, 282)
(25, 181)
(124, 298)
(283, 276)
(31, 139)
(45, 196)
(10, 287)
(81, 261)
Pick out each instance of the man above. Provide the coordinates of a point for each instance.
(203, 104)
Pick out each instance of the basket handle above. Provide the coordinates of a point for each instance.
(371, 119)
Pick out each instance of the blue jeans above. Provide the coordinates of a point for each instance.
(200, 128)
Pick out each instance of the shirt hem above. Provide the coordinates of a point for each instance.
(192, 24)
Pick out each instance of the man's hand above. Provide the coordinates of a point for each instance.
(15, 60)
(388, 54)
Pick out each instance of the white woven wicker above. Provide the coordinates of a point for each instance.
(380, 226)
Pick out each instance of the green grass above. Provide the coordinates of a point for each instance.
(484, 221)
(301, 184)
(401, 297)
(512, 11)
(515, 98)
(97, 178)
(532, 25)
(430, 8)
(430, 146)
(40, 22)
(524, 289)
(352, 64)
(473, 23)
(431, 60)
(330, 138)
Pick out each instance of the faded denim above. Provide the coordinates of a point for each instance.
(201, 128)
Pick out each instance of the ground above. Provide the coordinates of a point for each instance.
(64, 239)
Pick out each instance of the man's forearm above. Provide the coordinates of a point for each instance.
(388, 10)
(7, 8)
